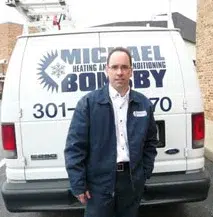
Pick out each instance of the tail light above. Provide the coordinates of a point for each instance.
(9, 140)
(198, 130)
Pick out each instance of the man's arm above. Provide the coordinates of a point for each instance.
(76, 148)
(150, 146)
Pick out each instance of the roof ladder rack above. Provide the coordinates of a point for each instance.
(165, 17)
(43, 14)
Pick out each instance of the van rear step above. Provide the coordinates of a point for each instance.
(175, 188)
(55, 194)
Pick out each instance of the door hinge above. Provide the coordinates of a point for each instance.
(184, 103)
(20, 113)
(186, 151)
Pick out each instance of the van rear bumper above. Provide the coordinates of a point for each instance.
(175, 188)
(55, 195)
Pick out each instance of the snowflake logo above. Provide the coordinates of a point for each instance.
(43, 76)
(58, 70)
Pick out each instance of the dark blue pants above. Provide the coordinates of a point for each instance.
(124, 203)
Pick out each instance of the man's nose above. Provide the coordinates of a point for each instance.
(119, 71)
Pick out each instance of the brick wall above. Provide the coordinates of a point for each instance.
(14, 31)
(204, 44)
(8, 34)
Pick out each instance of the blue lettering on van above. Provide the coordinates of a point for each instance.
(165, 103)
(99, 54)
(87, 82)
(146, 52)
(157, 54)
(82, 69)
(158, 76)
(62, 110)
(142, 79)
(71, 56)
(91, 81)
(69, 84)
(86, 55)
(134, 53)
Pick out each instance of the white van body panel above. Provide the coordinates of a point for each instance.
(10, 109)
(193, 103)
(37, 96)
(49, 73)
(51, 132)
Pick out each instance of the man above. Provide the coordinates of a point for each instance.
(111, 144)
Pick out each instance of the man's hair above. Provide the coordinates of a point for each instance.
(121, 49)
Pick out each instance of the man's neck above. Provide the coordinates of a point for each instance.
(123, 91)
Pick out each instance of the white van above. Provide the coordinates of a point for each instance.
(49, 73)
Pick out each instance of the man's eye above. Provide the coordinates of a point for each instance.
(115, 67)
(124, 67)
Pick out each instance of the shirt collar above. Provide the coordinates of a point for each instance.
(113, 93)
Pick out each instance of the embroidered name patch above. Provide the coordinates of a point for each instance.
(140, 113)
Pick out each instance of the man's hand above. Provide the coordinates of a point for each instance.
(84, 197)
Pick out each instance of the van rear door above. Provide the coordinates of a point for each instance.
(56, 73)
(157, 74)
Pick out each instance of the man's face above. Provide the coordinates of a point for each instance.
(119, 70)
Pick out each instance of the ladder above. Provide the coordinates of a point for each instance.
(165, 17)
(43, 14)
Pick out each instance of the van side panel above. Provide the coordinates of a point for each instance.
(193, 102)
(10, 98)
(10, 111)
